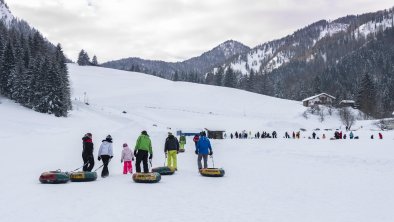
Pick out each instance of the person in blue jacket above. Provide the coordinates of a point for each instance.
(203, 149)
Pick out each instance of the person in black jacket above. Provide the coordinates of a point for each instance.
(171, 149)
(87, 152)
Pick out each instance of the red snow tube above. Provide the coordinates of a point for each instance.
(54, 177)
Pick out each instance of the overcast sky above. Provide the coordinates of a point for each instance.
(174, 30)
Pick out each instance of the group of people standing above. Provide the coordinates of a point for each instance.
(142, 152)
(258, 135)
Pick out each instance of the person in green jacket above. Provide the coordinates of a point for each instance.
(143, 148)
(182, 142)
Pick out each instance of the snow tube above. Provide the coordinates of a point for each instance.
(146, 177)
(212, 172)
(83, 176)
(54, 177)
(164, 170)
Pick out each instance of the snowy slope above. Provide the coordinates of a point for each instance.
(266, 180)
(5, 13)
(271, 55)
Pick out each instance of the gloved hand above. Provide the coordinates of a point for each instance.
(150, 156)
(132, 159)
(210, 153)
(99, 158)
(196, 152)
(121, 161)
(165, 154)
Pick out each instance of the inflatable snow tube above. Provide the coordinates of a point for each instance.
(146, 177)
(164, 170)
(83, 176)
(54, 177)
(212, 172)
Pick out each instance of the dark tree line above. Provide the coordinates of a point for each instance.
(33, 72)
(84, 59)
(341, 65)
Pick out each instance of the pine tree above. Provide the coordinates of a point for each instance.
(219, 77)
(83, 58)
(230, 78)
(209, 78)
(317, 85)
(94, 61)
(32, 71)
(366, 99)
(7, 71)
(64, 80)
(251, 82)
(175, 77)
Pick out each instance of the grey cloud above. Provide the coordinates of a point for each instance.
(177, 29)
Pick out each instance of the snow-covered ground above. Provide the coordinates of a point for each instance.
(266, 180)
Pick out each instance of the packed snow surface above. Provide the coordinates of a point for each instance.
(297, 180)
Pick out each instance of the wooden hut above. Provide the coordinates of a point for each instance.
(320, 99)
(215, 134)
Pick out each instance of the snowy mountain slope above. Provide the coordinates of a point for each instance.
(299, 45)
(266, 179)
(5, 13)
(178, 102)
(197, 65)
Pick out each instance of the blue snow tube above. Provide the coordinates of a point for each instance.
(83, 176)
(165, 170)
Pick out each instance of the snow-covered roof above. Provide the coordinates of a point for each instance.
(347, 101)
(217, 130)
(190, 130)
(321, 94)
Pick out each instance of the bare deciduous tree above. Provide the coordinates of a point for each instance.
(347, 116)
(321, 115)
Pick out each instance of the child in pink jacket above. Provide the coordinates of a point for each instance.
(127, 158)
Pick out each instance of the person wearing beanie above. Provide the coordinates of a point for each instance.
(126, 159)
(105, 153)
(171, 149)
(87, 153)
(143, 148)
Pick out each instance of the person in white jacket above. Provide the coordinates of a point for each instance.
(105, 153)
(127, 158)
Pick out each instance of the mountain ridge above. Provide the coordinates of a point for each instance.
(196, 66)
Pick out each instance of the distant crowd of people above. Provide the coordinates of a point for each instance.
(244, 135)
(295, 135)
